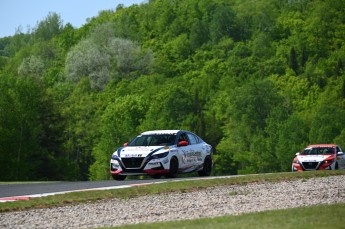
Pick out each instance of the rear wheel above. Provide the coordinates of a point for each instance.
(207, 167)
(118, 177)
(173, 170)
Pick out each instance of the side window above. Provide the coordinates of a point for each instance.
(198, 139)
(183, 137)
(192, 139)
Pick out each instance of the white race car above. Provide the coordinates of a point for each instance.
(162, 152)
(319, 157)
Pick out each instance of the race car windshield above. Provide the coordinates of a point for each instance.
(318, 151)
(154, 140)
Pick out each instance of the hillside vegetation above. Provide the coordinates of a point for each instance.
(257, 79)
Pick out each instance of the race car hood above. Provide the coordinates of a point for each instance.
(313, 158)
(138, 151)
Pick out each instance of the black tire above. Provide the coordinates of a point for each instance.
(207, 167)
(292, 170)
(173, 171)
(119, 177)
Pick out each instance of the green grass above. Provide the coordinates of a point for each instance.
(321, 216)
(167, 187)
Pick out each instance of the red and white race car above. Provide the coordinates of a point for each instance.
(162, 152)
(319, 157)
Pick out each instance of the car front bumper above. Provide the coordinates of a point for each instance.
(310, 166)
(152, 167)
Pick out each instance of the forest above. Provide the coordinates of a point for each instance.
(257, 79)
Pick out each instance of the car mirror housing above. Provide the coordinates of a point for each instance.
(125, 144)
(183, 143)
(340, 153)
(298, 153)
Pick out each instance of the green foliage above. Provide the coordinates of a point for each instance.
(120, 120)
(102, 57)
(20, 128)
(48, 28)
(259, 80)
(86, 59)
(81, 127)
(31, 66)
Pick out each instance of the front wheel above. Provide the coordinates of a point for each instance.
(293, 169)
(118, 177)
(173, 170)
(207, 167)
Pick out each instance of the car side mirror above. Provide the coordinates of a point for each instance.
(125, 144)
(182, 143)
(340, 153)
(298, 153)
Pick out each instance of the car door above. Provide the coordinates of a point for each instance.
(340, 159)
(184, 152)
(196, 150)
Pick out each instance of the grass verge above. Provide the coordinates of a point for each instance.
(320, 216)
(179, 186)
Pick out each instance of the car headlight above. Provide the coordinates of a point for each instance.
(116, 163)
(160, 155)
(329, 161)
(295, 161)
(114, 156)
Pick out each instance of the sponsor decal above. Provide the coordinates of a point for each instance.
(154, 163)
(191, 156)
(133, 155)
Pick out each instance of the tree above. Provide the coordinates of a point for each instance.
(80, 114)
(169, 109)
(20, 103)
(85, 59)
(103, 57)
(199, 34)
(120, 122)
(293, 60)
(223, 23)
(244, 144)
(292, 138)
(67, 38)
(130, 60)
(46, 29)
(31, 66)
(329, 109)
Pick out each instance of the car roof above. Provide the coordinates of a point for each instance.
(321, 145)
(160, 132)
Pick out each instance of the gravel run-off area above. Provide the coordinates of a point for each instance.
(210, 202)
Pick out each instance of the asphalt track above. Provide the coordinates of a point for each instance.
(22, 191)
